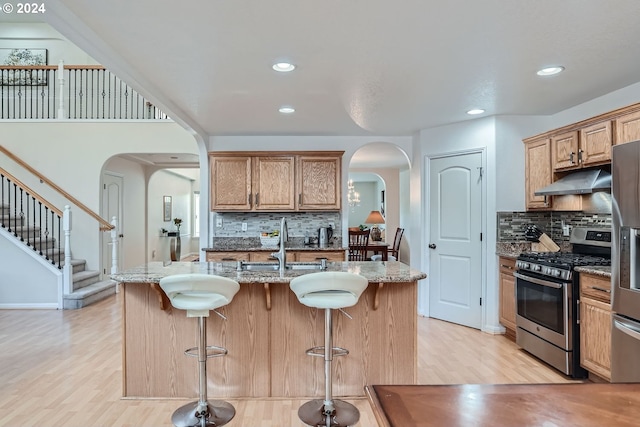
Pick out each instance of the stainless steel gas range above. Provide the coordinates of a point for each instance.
(547, 293)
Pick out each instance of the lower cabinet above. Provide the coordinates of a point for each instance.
(260, 256)
(595, 325)
(508, 295)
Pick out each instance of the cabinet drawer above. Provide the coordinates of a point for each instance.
(227, 256)
(304, 256)
(596, 287)
(262, 256)
(507, 265)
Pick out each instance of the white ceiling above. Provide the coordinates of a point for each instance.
(365, 67)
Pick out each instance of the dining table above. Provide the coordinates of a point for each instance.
(378, 247)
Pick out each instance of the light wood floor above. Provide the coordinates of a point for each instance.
(63, 368)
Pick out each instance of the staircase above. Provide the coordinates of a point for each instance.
(87, 287)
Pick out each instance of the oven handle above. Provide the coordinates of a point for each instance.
(538, 281)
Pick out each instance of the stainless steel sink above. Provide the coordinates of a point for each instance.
(273, 266)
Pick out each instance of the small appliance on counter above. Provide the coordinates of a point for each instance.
(324, 236)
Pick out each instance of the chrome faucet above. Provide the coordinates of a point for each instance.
(281, 255)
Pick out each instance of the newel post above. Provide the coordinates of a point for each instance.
(62, 114)
(114, 245)
(68, 268)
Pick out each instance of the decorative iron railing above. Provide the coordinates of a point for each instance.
(70, 92)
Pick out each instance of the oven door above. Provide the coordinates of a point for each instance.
(544, 309)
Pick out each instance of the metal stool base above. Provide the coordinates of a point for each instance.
(311, 413)
(220, 413)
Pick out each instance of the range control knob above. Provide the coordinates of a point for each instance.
(537, 267)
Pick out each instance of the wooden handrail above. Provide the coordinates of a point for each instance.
(104, 225)
(32, 193)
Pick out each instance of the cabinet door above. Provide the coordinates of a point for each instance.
(306, 256)
(273, 183)
(564, 151)
(595, 337)
(507, 293)
(319, 180)
(230, 183)
(537, 172)
(628, 128)
(595, 144)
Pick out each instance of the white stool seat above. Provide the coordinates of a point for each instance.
(199, 293)
(378, 257)
(330, 289)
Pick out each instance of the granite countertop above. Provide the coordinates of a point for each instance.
(596, 270)
(512, 249)
(374, 271)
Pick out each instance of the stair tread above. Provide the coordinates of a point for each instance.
(81, 275)
(91, 289)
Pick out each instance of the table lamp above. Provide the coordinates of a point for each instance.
(375, 218)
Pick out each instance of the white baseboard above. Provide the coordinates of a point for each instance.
(29, 306)
(494, 330)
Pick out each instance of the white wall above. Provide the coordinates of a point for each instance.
(35, 286)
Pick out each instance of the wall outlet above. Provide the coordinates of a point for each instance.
(218, 221)
(566, 230)
(332, 224)
(244, 226)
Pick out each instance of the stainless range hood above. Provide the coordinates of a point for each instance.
(582, 182)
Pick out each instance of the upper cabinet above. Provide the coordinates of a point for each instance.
(588, 146)
(319, 180)
(628, 128)
(275, 181)
(537, 157)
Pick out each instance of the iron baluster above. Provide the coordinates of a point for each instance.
(59, 243)
(40, 234)
(21, 215)
(46, 232)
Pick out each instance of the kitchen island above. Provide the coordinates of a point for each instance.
(267, 332)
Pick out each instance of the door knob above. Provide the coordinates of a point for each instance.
(432, 245)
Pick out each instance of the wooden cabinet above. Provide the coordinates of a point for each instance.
(627, 128)
(508, 295)
(262, 183)
(261, 256)
(588, 146)
(319, 181)
(595, 325)
(275, 181)
(537, 172)
(306, 256)
(227, 256)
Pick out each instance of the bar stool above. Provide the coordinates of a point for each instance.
(328, 290)
(198, 294)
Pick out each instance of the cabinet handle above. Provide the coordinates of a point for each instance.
(257, 199)
(578, 312)
(506, 266)
(249, 201)
(580, 155)
(595, 288)
(228, 259)
(299, 198)
(571, 157)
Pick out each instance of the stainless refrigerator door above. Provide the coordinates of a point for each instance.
(625, 256)
(625, 350)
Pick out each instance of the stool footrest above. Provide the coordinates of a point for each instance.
(212, 351)
(319, 351)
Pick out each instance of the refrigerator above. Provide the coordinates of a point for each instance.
(625, 263)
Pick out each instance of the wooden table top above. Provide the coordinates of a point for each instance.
(508, 405)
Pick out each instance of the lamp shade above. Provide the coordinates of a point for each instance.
(375, 217)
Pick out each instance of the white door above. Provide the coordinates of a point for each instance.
(455, 249)
(112, 185)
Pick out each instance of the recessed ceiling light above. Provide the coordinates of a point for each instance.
(475, 111)
(550, 71)
(286, 110)
(283, 67)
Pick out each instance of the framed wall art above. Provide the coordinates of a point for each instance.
(166, 208)
(26, 58)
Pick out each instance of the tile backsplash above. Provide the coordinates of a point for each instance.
(299, 224)
(512, 225)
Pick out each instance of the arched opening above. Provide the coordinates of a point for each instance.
(379, 172)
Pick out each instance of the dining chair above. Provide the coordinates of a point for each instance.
(392, 251)
(358, 242)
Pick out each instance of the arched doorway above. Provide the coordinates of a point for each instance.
(380, 173)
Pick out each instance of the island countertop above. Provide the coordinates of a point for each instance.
(373, 271)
